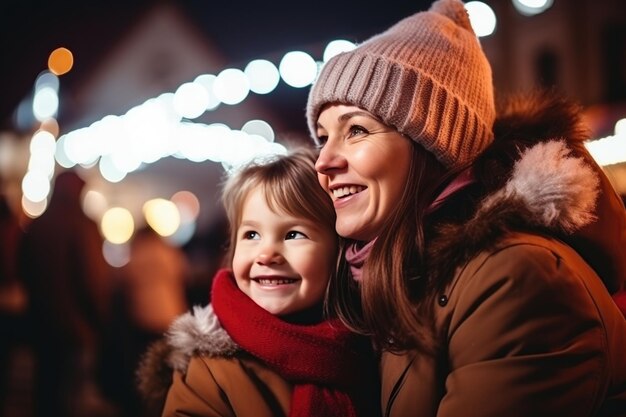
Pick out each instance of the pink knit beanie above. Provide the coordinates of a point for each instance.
(427, 76)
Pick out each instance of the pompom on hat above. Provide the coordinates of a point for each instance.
(427, 76)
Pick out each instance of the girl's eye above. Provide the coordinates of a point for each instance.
(295, 235)
(321, 140)
(250, 235)
(356, 130)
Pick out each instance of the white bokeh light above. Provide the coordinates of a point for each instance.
(207, 81)
(336, 47)
(620, 127)
(259, 127)
(263, 76)
(298, 69)
(109, 170)
(482, 18)
(34, 208)
(47, 79)
(532, 7)
(35, 186)
(191, 100)
(43, 142)
(42, 163)
(231, 86)
(45, 103)
(61, 156)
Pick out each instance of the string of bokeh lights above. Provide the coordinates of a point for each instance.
(166, 126)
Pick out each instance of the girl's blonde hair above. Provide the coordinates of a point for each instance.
(290, 185)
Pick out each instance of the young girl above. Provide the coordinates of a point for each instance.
(262, 347)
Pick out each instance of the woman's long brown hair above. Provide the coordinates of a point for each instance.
(383, 305)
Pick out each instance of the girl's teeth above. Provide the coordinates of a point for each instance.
(276, 281)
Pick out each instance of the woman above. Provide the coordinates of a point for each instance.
(480, 253)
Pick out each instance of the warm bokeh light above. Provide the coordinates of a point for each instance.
(33, 208)
(94, 204)
(117, 225)
(188, 206)
(162, 215)
(60, 61)
(50, 125)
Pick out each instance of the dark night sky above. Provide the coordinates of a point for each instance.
(241, 30)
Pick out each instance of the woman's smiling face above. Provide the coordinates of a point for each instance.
(363, 165)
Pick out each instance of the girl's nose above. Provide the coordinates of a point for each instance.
(269, 255)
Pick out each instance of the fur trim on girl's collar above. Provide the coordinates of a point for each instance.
(192, 333)
(199, 332)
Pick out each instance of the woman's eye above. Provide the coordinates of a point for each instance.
(250, 235)
(321, 140)
(356, 130)
(293, 234)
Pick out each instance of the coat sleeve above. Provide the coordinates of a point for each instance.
(196, 393)
(526, 336)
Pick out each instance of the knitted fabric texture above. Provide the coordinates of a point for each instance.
(427, 76)
(332, 369)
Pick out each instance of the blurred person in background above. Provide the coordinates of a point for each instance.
(150, 293)
(68, 286)
(13, 299)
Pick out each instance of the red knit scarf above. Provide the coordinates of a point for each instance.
(330, 367)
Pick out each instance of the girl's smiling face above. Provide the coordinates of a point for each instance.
(282, 262)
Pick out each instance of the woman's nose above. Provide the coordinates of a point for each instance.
(330, 158)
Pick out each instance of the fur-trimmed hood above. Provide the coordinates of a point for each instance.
(538, 176)
(195, 332)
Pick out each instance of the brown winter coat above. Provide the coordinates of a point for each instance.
(527, 326)
(212, 376)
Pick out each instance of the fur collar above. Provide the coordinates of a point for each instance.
(549, 185)
(198, 332)
(556, 190)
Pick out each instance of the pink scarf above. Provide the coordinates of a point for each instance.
(356, 255)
